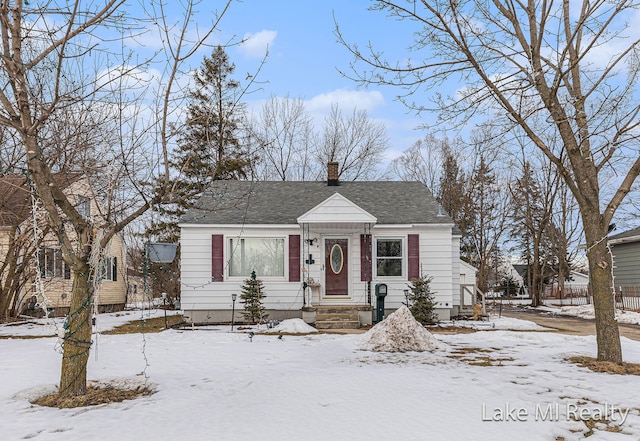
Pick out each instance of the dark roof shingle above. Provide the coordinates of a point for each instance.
(626, 236)
(282, 202)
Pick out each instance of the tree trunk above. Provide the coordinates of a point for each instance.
(481, 278)
(601, 279)
(561, 277)
(77, 341)
(534, 274)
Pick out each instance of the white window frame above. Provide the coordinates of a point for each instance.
(105, 273)
(84, 207)
(403, 257)
(58, 263)
(230, 251)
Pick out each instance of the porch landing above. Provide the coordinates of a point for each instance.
(339, 316)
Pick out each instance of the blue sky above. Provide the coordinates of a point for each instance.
(304, 57)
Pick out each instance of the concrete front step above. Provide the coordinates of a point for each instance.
(338, 309)
(338, 324)
(336, 316)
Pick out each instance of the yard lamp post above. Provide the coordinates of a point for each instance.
(233, 309)
(164, 306)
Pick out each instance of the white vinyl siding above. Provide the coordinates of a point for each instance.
(199, 292)
(437, 259)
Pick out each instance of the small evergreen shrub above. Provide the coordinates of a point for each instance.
(422, 301)
(252, 296)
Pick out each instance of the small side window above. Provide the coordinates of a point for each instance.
(107, 269)
(84, 207)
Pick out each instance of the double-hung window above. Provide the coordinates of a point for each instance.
(84, 207)
(109, 269)
(265, 256)
(389, 256)
(52, 265)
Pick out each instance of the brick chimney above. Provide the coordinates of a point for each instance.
(332, 173)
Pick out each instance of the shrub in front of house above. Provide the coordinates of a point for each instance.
(251, 297)
(422, 302)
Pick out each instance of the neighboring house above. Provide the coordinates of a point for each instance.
(625, 248)
(577, 279)
(509, 269)
(316, 245)
(577, 286)
(18, 241)
(135, 287)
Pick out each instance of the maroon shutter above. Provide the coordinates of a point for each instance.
(217, 258)
(413, 256)
(294, 258)
(365, 258)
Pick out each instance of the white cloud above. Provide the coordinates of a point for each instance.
(346, 99)
(256, 45)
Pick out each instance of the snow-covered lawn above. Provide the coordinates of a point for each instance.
(496, 322)
(216, 385)
(104, 322)
(586, 311)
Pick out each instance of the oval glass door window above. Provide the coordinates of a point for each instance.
(337, 259)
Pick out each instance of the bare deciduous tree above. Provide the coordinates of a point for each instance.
(424, 162)
(285, 141)
(573, 64)
(288, 147)
(44, 73)
(354, 141)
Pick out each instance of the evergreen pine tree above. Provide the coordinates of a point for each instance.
(252, 296)
(422, 301)
(209, 146)
(532, 228)
(452, 193)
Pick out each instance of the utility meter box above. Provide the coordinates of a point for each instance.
(381, 293)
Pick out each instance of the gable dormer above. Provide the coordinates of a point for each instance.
(338, 210)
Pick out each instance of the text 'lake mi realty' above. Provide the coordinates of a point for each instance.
(555, 412)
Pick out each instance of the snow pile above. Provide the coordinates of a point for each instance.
(586, 311)
(399, 332)
(293, 326)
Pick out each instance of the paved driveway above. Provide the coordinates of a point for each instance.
(569, 325)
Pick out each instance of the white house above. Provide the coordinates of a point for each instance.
(320, 248)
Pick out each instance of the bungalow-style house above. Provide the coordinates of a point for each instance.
(25, 252)
(625, 248)
(325, 251)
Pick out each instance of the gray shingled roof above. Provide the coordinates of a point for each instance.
(282, 202)
(626, 236)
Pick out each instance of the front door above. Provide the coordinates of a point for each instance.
(336, 267)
